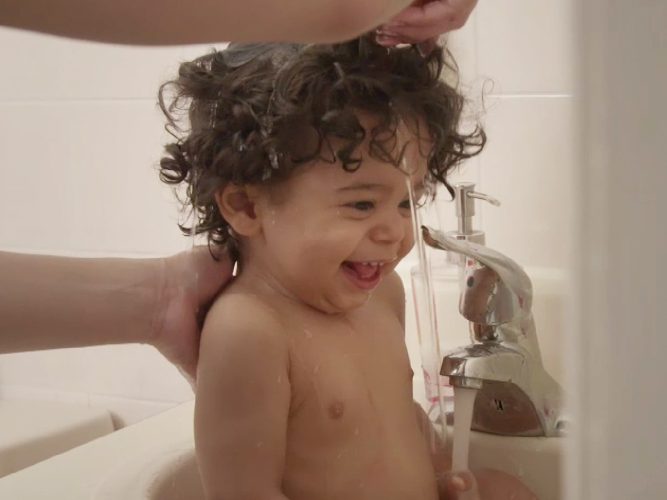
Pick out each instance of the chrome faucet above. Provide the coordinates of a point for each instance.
(516, 396)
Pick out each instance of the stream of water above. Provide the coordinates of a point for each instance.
(464, 401)
(428, 330)
(464, 398)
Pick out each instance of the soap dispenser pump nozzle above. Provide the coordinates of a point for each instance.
(464, 198)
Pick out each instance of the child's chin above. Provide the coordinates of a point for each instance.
(349, 304)
(339, 305)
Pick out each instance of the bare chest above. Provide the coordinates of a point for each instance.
(348, 375)
(352, 430)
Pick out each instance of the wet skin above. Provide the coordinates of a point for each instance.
(304, 382)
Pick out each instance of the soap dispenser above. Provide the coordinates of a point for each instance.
(440, 295)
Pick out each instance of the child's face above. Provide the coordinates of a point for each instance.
(331, 236)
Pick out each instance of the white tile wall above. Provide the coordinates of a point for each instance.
(527, 47)
(517, 65)
(47, 68)
(80, 137)
(81, 176)
(527, 165)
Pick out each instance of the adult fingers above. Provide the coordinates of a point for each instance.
(451, 14)
(211, 275)
(409, 34)
(428, 20)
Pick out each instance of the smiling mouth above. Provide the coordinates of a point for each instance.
(365, 275)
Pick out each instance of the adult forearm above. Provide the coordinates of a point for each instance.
(164, 22)
(48, 302)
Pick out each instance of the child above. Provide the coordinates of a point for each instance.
(297, 159)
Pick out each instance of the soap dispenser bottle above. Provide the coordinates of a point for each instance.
(436, 300)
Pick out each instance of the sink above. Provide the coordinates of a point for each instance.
(179, 479)
(537, 461)
(172, 474)
(158, 474)
(33, 431)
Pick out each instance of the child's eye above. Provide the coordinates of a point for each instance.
(405, 204)
(363, 206)
(419, 202)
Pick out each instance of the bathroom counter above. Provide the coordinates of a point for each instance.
(32, 431)
(80, 472)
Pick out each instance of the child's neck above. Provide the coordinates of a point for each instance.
(255, 278)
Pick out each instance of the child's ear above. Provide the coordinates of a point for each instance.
(238, 206)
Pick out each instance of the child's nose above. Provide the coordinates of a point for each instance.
(391, 229)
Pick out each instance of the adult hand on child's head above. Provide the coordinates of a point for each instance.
(483, 484)
(190, 282)
(423, 21)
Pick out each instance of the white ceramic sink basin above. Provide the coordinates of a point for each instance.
(536, 461)
(173, 475)
(32, 431)
(154, 459)
(169, 475)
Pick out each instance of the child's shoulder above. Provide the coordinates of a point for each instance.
(241, 318)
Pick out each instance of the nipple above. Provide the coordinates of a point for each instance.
(336, 410)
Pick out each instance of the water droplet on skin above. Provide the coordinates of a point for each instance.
(316, 369)
(266, 174)
(356, 431)
(309, 334)
(273, 159)
(280, 379)
(259, 444)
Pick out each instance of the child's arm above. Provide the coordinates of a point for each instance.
(242, 402)
(439, 455)
(394, 293)
(490, 484)
(449, 484)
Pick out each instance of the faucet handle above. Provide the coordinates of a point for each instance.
(497, 290)
(485, 299)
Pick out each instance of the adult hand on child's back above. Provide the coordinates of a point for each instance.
(191, 280)
(423, 21)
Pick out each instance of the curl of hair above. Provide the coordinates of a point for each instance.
(252, 113)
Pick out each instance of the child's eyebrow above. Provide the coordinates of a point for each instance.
(419, 187)
(369, 186)
(365, 186)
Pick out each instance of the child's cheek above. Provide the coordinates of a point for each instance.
(408, 243)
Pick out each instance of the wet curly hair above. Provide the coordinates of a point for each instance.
(252, 113)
